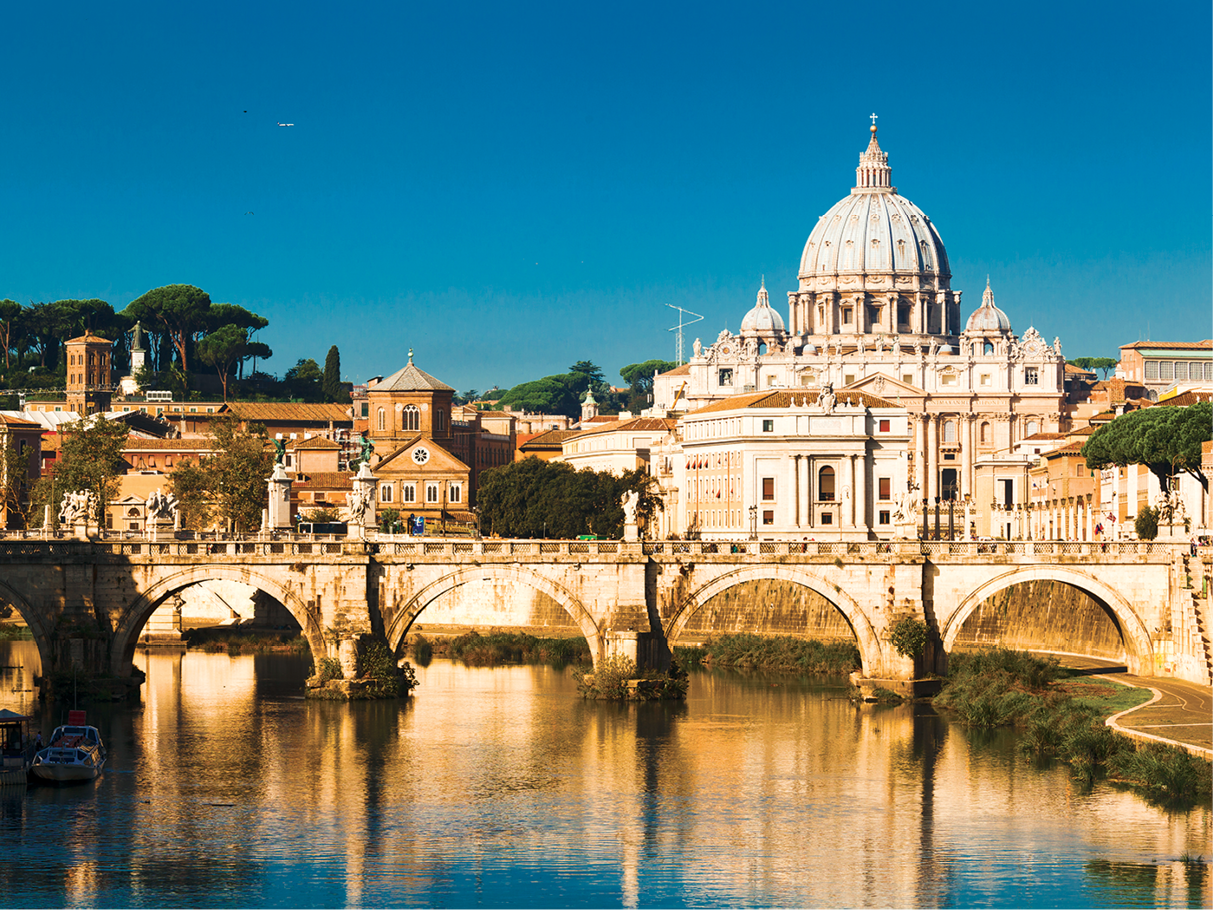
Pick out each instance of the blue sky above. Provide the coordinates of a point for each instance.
(509, 188)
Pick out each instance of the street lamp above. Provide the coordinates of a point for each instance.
(753, 522)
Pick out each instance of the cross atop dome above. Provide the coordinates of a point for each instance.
(874, 172)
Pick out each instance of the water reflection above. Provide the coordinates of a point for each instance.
(502, 787)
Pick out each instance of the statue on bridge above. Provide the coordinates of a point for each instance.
(77, 507)
(364, 455)
(631, 501)
(907, 505)
(161, 507)
(279, 451)
(358, 503)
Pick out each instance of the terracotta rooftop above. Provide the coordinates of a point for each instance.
(1205, 345)
(1078, 371)
(547, 439)
(410, 379)
(290, 410)
(1043, 437)
(1190, 397)
(189, 444)
(327, 480)
(89, 338)
(684, 370)
(1070, 448)
(316, 442)
(19, 423)
(635, 425)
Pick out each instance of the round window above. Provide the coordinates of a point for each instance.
(421, 455)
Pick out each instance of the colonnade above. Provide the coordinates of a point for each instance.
(1068, 518)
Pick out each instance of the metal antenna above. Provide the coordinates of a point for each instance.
(681, 325)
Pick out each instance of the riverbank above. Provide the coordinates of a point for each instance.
(225, 639)
(782, 653)
(1061, 715)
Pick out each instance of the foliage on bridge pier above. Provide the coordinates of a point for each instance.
(616, 678)
(377, 677)
(785, 653)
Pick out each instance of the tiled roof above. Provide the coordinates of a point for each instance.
(551, 438)
(327, 480)
(19, 423)
(635, 425)
(1043, 437)
(782, 398)
(193, 444)
(89, 338)
(1071, 448)
(290, 410)
(316, 442)
(684, 370)
(1078, 371)
(410, 379)
(1190, 397)
(1205, 345)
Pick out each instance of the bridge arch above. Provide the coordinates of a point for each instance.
(1136, 636)
(403, 618)
(871, 655)
(36, 627)
(134, 618)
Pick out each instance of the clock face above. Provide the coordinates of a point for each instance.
(726, 350)
(421, 455)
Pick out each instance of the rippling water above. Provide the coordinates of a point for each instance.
(501, 787)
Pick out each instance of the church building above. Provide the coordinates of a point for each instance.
(874, 312)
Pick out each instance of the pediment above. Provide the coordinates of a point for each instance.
(420, 455)
(885, 386)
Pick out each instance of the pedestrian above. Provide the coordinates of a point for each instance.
(1193, 546)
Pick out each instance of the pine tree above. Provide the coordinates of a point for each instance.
(331, 385)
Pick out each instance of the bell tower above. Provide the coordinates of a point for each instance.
(89, 385)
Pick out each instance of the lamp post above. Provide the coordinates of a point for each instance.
(753, 522)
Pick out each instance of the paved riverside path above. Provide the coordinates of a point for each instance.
(1181, 713)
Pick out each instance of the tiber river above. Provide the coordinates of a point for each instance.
(502, 787)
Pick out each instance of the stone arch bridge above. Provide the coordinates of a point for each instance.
(86, 602)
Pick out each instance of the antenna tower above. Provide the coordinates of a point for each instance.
(681, 325)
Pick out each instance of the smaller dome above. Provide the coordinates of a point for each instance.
(987, 317)
(762, 320)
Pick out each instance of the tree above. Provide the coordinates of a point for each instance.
(10, 315)
(223, 349)
(550, 395)
(1146, 523)
(331, 384)
(190, 484)
(533, 498)
(304, 380)
(180, 309)
(47, 327)
(1165, 439)
(221, 314)
(90, 458)
(640, 375)
(1096, 363)
(235, 474)
(15, 484)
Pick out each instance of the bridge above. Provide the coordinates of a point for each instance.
(86, 602)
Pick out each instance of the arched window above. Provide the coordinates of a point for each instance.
(949, 431)
(380, 422)
(411, 417)
(1033, 427)
(987, 348)
(825, 484)
(985, 432)
(385, 493)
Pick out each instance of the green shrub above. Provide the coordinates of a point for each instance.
(423, 650)
(777, 652)
(609, 679)
(909, 637)
(329, 668)
(1146, 523)
(478, 650)
(1166, 774)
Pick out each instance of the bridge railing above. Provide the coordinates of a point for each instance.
(459, 548)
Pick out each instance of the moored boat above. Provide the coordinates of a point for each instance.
(14, 748)
(75, 753)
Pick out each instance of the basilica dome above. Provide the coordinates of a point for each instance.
(987, 317)
(874, 230)
(762, 320)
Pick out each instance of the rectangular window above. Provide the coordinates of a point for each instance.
(768, 488)
(408, 492)
(724, 377)
(1030, 376)
(827, 518)
(949, 379)
(455, 492)
(884, 517)
(1151, 369)
(431, 492)
(768, 426)
(884, 426)
(985, 379)
(1166, 369)
(1181, 371)
(907, 378)
(886, 488)
(768, 517)
(366, 409)
(848, 379)
(846, 315)
(1209, 371)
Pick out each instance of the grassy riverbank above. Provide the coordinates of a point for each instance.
(476, 650)
(14, 632)
(784, 653)
(222, 639)
(1061, 717)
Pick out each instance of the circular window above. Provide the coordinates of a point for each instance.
(421, 455)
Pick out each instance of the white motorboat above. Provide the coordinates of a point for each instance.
(74, 753)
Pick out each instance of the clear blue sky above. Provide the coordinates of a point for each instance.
(511, 187)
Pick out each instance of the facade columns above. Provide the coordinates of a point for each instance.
(848, 516)
(966, 454)
(932, 458)
(796, 489)
(861, 492)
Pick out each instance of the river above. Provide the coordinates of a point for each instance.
(501, 787)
